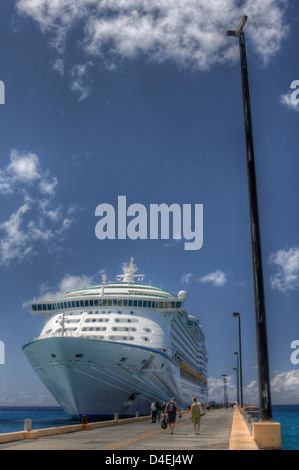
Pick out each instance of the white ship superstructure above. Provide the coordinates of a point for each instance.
(118, 346)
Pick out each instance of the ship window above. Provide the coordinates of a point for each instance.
(86, 303)
(120, 303)
(130, 303)
(114, 302)
(49, 306)
(135, 303)
(39, 307)
(131, 312)
(91, 303)
(153, 304)
(119, 312)
(178, 304)
(145, 338)
(34, 308)
(144, 303)
(149, 304)
(125, 302)
(77, 303)
(69, 305)
(96, 303)
(81, 303)
(73, 304)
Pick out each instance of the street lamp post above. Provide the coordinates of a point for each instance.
(260, 314)
(237, 315)
(237, 378)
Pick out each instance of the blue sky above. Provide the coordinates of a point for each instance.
(145, 101)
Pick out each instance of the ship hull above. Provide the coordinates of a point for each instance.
(101, 378)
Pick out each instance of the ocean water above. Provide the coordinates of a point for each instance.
(12, 420)
(288, 417)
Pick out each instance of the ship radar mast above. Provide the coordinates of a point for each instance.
(129, 271)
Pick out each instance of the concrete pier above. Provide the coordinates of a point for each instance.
(220, 430)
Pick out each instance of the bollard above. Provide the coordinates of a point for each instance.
(27, 425)
(84, 419)
(116, 416)
(137, 414)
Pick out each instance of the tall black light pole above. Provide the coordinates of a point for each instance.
(237, 377)
(260, 314)
(237, 315)
(237, 381)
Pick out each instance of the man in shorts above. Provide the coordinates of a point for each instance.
(171, 409)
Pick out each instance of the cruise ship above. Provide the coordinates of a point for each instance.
(118, 346)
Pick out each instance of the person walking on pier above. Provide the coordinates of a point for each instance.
(195, 414)
(154, 412)
(171, 409)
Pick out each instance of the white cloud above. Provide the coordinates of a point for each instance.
(216, 278)
(26, 229)
(186, 278)
(80, 82)
(58, 66)
(68, 283)
(287, 264)
(48, 187)
(23, 167)
(286, 100)
(187, 33)
(38, 220)
(285, 387)
(22, 172)
(14, 243)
